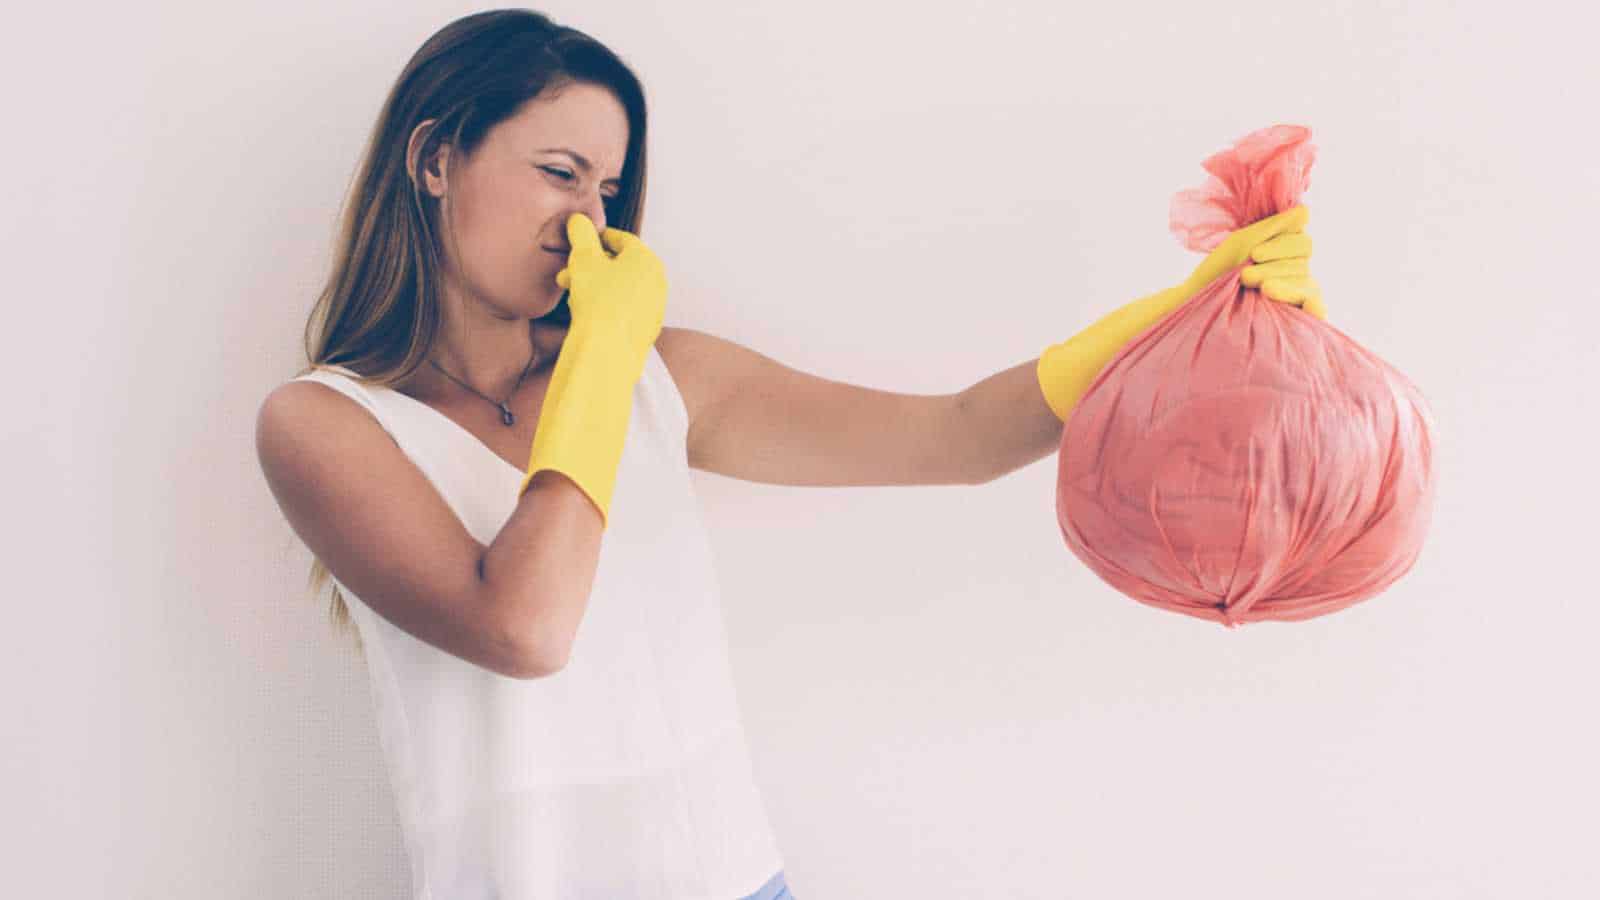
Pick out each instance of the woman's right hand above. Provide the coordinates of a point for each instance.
(617, 303)
(623, 295)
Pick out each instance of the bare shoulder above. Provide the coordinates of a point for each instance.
(307, 434)
(287, 411)
(688, 355)
(296, 410)
(706, 370)
(710, 372)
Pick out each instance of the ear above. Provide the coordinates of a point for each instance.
(433, 168)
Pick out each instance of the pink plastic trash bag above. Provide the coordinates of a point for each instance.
(1242, 460)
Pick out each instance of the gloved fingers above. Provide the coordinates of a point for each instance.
(1296, 290)
(564, 279)
(1255, 234)
(1315, 306)
(1296, 243)
(582, 236)
(1293, 267)
(618, 240)
(1236, 248)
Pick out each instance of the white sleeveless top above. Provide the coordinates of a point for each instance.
(624, 775)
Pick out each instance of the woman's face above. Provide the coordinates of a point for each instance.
(561, 154)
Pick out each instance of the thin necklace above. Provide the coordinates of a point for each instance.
(505, 411)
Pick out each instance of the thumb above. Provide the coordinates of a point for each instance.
(1235, 249)
(564, 279)
(581, 233)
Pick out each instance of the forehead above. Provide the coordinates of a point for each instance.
(582, 117)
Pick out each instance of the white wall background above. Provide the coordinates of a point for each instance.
(942, 702)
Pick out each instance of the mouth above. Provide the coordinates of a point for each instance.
(561, 250)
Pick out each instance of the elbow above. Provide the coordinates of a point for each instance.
(525, 656)
(534, 673)
(525, 652)
(532, 669)
(977, 475)
(539, 659)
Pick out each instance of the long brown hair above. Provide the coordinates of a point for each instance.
(379, 311)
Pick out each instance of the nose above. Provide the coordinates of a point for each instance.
(594, 208)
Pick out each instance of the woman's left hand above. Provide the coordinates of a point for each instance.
(1277, 246)
(1282, 270)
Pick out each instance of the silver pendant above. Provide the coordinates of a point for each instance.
(506, 416)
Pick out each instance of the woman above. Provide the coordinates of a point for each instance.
(491, 390)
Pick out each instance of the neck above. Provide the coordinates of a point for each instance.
(489, 362)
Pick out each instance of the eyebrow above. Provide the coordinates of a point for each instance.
(580, 160)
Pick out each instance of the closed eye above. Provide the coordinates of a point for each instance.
(567, 176)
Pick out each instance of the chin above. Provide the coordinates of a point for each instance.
(547, 310)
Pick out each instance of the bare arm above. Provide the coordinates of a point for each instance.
(754, 418)
(373, 518)
(540, 568)
(1007, 417)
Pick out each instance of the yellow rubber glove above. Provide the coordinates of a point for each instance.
(618, 303)
(1277, 244)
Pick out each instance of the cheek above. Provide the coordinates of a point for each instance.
(491, 208)
(500, 231)
(501, 255)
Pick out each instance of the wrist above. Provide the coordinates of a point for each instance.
(1066, 369)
